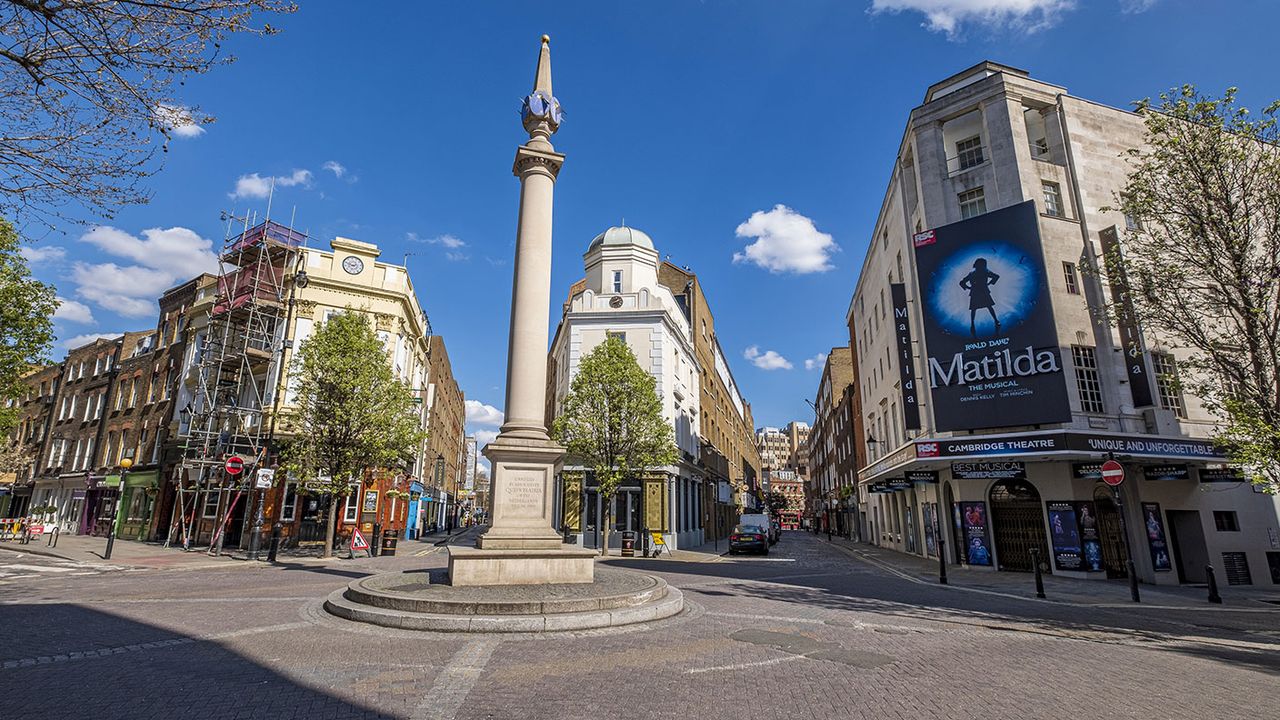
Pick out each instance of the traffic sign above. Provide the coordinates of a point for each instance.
(1112, 473)
(235, 465)
(358, 542)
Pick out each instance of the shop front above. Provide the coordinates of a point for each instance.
(662, 504)
(63, 498)
(139, 501)
(1003, 501)
(413, 526)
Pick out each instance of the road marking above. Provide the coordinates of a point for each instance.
(455, 681)
(851, 624)
(37, 568)
(744, 666)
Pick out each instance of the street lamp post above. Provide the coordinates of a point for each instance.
(439, 484)
(125, 464)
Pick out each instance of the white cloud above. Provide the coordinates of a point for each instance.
(72, 311)
(816, 362)
(452, 243)
(163, 257)
(177, 251)
(947, 16)
(335, 167)
(80, 340)
(177, 119)
(785, 241)
(768, 360)
(479, 413)
(484, 437)
(1133, 7)
(35, 255)
(254, 185)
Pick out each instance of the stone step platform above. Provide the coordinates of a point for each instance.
(422, 600)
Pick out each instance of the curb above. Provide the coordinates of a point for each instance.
(1068, 603)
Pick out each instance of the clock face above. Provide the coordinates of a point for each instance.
(353, 265)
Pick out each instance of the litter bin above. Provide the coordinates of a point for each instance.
(628, 544)
(389, 541)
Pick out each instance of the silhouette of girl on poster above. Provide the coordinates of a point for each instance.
(979, 283)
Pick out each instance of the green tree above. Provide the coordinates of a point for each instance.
(1202, 258)
(352, 413)
(775, 501)
(611, 422)
(26, 323)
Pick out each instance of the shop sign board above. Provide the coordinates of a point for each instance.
(1069, 441)
(1086, 471)
(1228, 474)
(1153, 522)
(973, 519)
(879, 486)
(1166, 472)
(993, 356)
(896, 484)
(989, 470)
(922, 476)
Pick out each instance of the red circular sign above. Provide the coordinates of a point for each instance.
(235, 465)
(1112, 473)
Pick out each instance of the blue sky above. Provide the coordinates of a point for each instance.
(688, 119)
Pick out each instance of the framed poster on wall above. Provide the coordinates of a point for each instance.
(1153, 523)
(977, 544)
(1064, 535)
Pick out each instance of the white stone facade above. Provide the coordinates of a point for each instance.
(995, 133)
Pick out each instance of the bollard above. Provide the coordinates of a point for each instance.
(375, 540)
(1133, 582)
(1214, 597)
(942, 561)
(275, 541)
(1035, 561)
(53, 538)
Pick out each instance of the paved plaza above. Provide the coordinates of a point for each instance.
(811, 631)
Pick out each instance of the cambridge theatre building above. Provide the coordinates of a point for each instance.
(990, 391)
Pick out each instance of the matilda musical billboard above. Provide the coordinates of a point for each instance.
(993, 358)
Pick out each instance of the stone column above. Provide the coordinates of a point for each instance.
(521, 546)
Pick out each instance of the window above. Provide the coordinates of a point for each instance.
(1069, 275)
(133, 392)
(1053, 199)
(969, 152)
(1087, 382)
(352, 505)
(1131, 221)
(1226, 521)
(617, 281)
(972, 202)
(289, 504)
(617, 336)
(138, 505)
(1040, 147)
(1167, 383)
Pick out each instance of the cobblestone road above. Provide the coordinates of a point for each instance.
(808, 632)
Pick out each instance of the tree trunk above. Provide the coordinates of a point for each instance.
(604, 526)
(330, 522)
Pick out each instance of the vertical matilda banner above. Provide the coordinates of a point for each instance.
(906, 359)
(992, 357)
(1135, 356)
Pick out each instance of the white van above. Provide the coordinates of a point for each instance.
(763, 521)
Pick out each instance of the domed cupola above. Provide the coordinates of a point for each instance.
(618, 236)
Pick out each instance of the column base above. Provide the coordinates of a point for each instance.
(476, 566)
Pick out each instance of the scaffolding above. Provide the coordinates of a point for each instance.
(237, 368)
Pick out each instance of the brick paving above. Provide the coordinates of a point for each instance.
(809, 632)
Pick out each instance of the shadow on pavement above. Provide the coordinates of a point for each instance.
(97, 665)
(856, 587)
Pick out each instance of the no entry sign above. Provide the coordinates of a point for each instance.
(1112, 473)
(235, 465)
